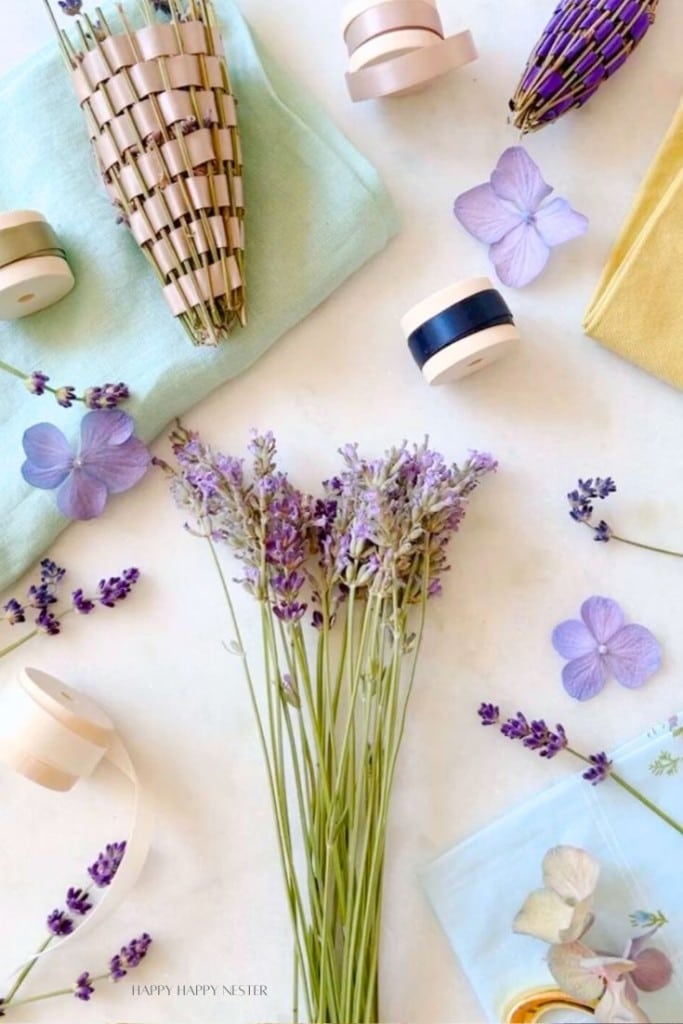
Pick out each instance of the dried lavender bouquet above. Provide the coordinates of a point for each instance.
(584, 43)
(162, 121)
(361, 562)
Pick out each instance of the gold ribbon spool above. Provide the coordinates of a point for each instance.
(533, 1006)
(34, 272)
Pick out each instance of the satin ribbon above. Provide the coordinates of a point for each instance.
(55, 736)
(33, 238)
(410, 70)
(386, 17)
(466, 317)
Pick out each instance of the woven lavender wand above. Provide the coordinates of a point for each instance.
(582, 45)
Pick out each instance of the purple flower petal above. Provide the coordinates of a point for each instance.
(482, 213)
(520, 256)
(633, 655)
(653, 970)
(105, 427)
(557, 222)
(119, 467)
(518, 179)
(603, 617)
(584, 677)
(48, 456)
(573, 639)
(81, 496)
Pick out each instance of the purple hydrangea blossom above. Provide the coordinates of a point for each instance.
(509, 214)
(83, 987)
(103, 871)
(59, 923)
(111, 459)
(600, 645)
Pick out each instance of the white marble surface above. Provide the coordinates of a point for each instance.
(562, 407)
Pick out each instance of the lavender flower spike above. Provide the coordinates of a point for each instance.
(129, 956)
(110, 460)
(600, 768)
(104, 869)
(83, 988)
(510, 214)
(59, 923)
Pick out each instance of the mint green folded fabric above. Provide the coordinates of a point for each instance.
(316, 211)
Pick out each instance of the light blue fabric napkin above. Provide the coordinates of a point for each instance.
(316, 211)
(477, 888)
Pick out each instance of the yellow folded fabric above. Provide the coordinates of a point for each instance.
(637, 308)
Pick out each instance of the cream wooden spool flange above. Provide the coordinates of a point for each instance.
(34, 272)
(459, 330)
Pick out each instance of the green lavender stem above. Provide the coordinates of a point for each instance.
(636, 793)
(24, 973)
(647, 547)
(53, 994)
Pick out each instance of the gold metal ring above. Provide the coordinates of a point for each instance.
(530, 1008)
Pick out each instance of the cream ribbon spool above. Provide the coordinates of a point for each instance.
(470, 354)
(30, 281)
(391, 45)
(354, 8)
(393, 61)
(55, 736)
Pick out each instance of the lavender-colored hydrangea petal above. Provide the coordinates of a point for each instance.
(603, 617)
(119, 467)
(518, 179)
(48, 456)
(584, 677)
(634, 654)
(557, 222)
(103, 428)
(81, 496)
(573, 639)
(482, 213)
(653, 969)
(520, 256)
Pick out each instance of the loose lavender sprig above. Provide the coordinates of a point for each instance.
(102, 396)
(43, 595)
(537, 736)
(581, 510)
(59, 923)
(127, 959)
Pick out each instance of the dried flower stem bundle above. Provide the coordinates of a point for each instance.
(366, 555)
(162, 121)
(584, 43)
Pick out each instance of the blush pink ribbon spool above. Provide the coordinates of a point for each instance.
(55, 736)
(397, 46)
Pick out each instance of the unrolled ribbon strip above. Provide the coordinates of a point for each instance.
(55, 736)
(459, 330)
(397, 46)
(34, 272)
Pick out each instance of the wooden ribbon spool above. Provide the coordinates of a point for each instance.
(34, 272)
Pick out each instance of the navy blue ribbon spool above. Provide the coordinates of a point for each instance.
(463, 319)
